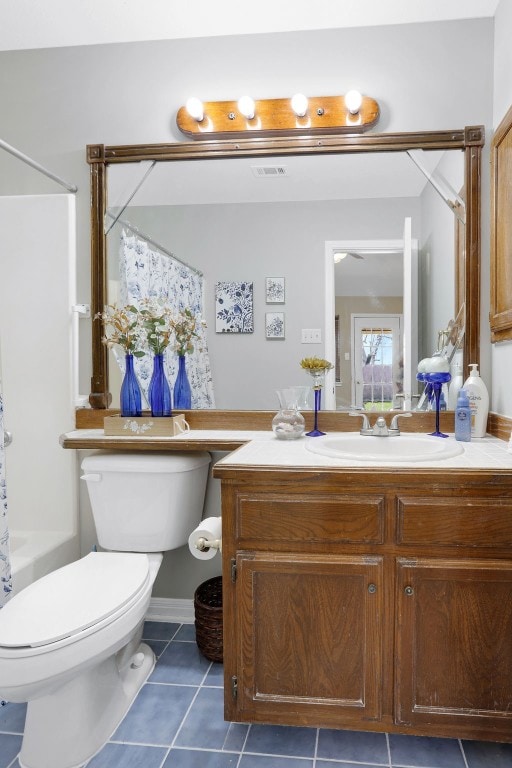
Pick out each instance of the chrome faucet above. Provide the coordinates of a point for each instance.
(394, 428)
(365, 427)
(380, 428)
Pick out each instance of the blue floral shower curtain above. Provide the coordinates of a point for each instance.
(5, 567)
(149, 274)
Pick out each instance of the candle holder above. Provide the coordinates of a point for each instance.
(317, 367)
(436, 380)
(318, 380)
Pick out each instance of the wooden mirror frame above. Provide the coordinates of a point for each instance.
(99, 157)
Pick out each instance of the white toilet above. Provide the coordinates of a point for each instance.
(70, 644)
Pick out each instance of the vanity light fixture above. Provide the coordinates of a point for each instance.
(351, 114)
(194, 107)
(353, 101)
(247, 107)
(299, 104)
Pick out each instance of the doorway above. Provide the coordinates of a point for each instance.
(377, 362)
(387, 285)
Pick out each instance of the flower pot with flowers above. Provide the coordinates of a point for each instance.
(185, 330)
(156, 322)
(121, 326)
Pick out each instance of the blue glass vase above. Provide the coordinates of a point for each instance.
(131, 400)
(159, 393)
(182, 390)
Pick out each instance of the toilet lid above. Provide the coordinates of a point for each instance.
(72, 598)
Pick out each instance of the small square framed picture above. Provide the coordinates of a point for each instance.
(274, 325)
(274, 290)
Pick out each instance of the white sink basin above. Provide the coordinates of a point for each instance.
(352, 446)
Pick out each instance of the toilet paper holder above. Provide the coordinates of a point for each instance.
(203, 544)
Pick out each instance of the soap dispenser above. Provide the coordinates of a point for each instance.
(463, 418)
(478, 401)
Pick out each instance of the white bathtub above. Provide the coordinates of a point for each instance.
(33, 554)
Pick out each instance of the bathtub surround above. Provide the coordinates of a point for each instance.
(38, 239)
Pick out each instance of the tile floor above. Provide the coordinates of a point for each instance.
(176, 722)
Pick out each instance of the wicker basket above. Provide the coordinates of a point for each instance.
(208, 615)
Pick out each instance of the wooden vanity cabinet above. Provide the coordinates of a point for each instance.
(369, 600)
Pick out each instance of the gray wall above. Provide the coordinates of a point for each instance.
(55, 101)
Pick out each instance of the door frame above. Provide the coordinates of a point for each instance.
(329, 297)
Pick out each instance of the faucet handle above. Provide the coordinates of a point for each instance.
(366, 424)
(394, 428)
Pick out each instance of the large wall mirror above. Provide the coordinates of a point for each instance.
(251, 210)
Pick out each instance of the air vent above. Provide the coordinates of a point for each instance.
(269, 171)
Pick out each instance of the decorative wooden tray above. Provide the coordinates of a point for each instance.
(145, 426)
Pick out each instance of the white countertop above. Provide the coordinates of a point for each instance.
(263, 449)
(267, 450)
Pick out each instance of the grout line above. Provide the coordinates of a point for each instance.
(340, 763)
(180, 685)
(287, 757)
(466, 764)
(315, 753)
(167, 753)
(216, 751)
(242, 751)
(198, 688)
(389, 750)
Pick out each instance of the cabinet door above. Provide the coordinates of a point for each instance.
(454, 643)
(309, 638)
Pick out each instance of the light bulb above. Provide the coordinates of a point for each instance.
(246, 106)
(299, 104)
(353, 101)
(194, 107)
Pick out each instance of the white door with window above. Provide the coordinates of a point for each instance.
(378, 366)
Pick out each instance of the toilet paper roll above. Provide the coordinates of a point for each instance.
(209, 529)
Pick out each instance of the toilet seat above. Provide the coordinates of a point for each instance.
(73, 599)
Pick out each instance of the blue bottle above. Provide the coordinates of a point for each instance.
(463, 418)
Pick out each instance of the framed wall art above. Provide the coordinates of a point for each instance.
(274, 290)
(234, 307)
(274, 325)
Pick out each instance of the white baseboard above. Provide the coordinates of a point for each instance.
(171, 610)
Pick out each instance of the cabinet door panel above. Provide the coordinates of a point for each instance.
(454, 642)
(311, 636)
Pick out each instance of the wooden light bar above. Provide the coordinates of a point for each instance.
(273, 117)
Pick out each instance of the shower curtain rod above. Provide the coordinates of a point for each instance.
(148, 240)
(33, 164)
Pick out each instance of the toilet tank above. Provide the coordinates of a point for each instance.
(146, 502)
